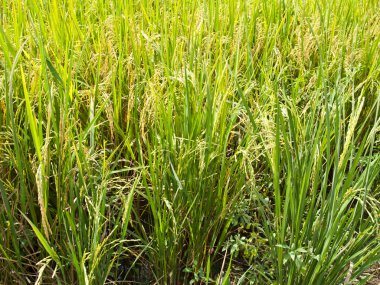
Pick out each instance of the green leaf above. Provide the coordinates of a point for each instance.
(44, 242)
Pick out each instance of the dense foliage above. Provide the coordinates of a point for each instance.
(180, 142)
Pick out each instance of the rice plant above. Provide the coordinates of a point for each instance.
(189, 142)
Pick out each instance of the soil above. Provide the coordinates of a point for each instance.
(375, 272)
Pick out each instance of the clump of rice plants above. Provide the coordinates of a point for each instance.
(189, 142)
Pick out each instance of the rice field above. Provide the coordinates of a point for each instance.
(190, 142)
